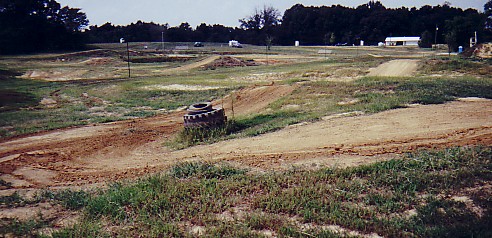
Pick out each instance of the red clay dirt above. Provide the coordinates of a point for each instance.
(128, 149)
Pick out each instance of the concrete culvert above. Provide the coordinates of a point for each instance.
(203, 115)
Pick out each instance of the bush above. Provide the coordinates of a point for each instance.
(204, 170)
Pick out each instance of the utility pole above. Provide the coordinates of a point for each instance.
(122, 40)
(435, 37)
(162, 41)
(266, 51)
(128, 58)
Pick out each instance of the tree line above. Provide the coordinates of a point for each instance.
(28, 26)
(373, 22)
(323, 25)
(36, 25)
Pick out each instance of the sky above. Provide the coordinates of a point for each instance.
(224, 12)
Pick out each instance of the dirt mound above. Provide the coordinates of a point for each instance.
(481, 51)
(190, 66)
(229, 62)
(56, 75)
(395, 68)
(98, 53)
(458, 123)
(254, 99)
(158, 59)
(98, 61)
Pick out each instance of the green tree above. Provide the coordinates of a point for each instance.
(426, 39)
(459, 29)
(333, 38)
(261, 23)
(261, 19)
(488, 13)
(451, 40)
(39, 25)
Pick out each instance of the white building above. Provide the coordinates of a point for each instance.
(234, 43)
(406, 41)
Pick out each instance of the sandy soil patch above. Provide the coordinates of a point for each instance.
(253, 99)
(187, 67)
(55, 75)
(485, 51)
(395, 68)
(180, 87)
(395, 131)
(98, 61)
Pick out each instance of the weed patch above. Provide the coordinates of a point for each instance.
(22, 228)
(4, 184)
(14, 200)
(457, 65)
(16, 93)
(204, 170)
(428, 91)
(83, 229)
(263, 123)
(368, 199)
(72, 200)
(193, 136)
(248, 126)
(372, 198)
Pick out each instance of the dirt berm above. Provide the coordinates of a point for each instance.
(127, 149)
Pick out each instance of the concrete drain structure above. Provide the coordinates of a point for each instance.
(203, 115)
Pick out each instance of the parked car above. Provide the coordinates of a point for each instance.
(235, 44)
(341, 44)
(198, 44)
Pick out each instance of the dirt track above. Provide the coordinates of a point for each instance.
(395, 68)
(109, 71)
(203, 62)
(127, 149)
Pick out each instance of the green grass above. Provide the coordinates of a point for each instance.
(458, 65)
(372, 198)
(377, 94)
(263, 123)
(95, 101)
(5, 184)
(13, 200)
(72, 200)
(22, 113)
(204, 170)
(22, 228)
(193, 136)
(83, 229)
(240, 127)
(372, 94)
(321, 98)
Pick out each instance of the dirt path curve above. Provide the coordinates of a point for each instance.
(395, 68)
(194, 65)
(467, 122)
(62, 157)
(129, 149)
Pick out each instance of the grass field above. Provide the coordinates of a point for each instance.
(426, 193)
(81, 102)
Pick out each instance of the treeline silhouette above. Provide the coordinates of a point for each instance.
(28, 26)
(42, 25)
(371, 22)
